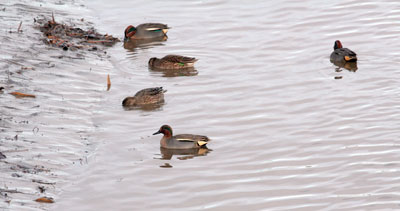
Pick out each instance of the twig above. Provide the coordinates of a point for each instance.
(52, 17)
(42, 182)
(19, 27)
(108, 82)
(9, 191)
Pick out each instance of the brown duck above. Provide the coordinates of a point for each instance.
(182, 141)
(341, 54)
(147, 96)
(172, 62)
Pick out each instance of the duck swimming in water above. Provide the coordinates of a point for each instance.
(182, 141)
(341, 54)
(145, 31)
(169, 62)
(149, 96)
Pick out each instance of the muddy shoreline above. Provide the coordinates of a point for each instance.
(32, 163)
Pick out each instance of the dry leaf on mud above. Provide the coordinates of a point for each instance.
(108, 82)
(19, 94)
(45, 200)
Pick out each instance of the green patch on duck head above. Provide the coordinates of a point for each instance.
(130, 31)
(166, 129)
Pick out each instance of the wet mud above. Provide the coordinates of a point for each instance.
(39, 87)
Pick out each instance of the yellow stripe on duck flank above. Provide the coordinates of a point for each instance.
(152, 29)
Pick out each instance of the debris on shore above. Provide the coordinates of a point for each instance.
(19, 94)
(45, 200)
(108, 82)
(2, 156)
(68, 37)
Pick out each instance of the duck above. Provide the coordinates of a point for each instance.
(182, 141)
(169, 62)
(146, 31)
(147, 96)
(341, 54)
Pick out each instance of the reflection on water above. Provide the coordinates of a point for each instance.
(190, 71)
(350, 66)
(147, 107)
(183, 154)
(166, 165)
(131, 45)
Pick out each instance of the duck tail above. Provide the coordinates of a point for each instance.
(350, 58)
(201, 143)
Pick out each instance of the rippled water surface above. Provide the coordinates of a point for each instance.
(289, 129)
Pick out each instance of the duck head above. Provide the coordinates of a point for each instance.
(129, 32)
(337, 45)
(165, 129)
(151, 61)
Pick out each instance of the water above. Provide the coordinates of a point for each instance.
(289, 129)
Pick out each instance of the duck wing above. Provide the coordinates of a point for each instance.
(179, 59)
(199, 139)
(150, 91)
(152, 26)
(349, 52)
(344, 52)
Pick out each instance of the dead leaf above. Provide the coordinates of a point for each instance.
(19, 94)
(108, 82)
(45, 200)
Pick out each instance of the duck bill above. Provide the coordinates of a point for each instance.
(158, 132)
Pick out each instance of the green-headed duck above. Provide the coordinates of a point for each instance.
(146, 31)
(182, 141)
(340, 54)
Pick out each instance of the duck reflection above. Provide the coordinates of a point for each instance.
(150, 107)
(190, 71)
(350, 66)
(144, 43)
(183, 154)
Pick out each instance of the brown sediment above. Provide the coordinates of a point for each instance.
(65, 36)
(33, 161)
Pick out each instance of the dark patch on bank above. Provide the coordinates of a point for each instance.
(72, 38)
